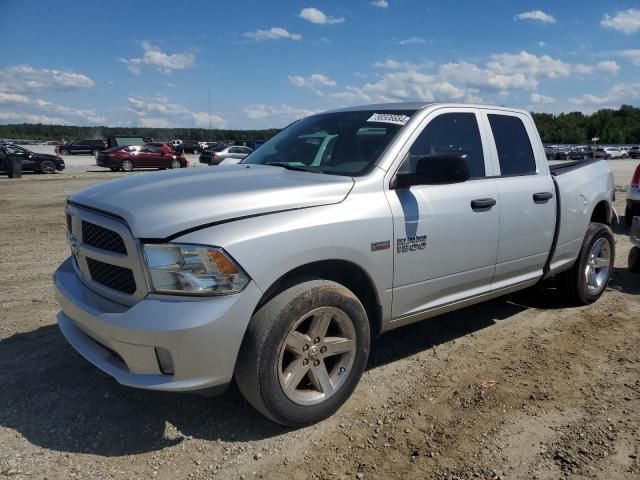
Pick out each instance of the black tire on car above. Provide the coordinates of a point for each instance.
(292, 371)
(634, 260)
(175, 163)
(628, 216)
(64, 152)
(587, 280)
(47, 166)
(127, 165)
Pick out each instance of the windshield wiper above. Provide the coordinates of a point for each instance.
(300, 168)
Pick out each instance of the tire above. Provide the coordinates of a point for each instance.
(127, 165)
(608, 157)
(628, 216)
(48, 167)
(175, 163)
(265, 364)
(64, 152)
(94, 153)
(584, 283)
(634, 260)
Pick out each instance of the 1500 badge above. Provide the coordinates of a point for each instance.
(412, 244)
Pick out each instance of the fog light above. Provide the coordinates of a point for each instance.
(165, 362)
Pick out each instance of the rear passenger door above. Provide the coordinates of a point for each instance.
(526, 196)
(445, 246)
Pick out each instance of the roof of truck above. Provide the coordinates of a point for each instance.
(381, 107)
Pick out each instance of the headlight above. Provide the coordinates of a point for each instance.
(193, 270)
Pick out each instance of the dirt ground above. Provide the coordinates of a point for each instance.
(524, 387)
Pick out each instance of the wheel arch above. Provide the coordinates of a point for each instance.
(344, 272)
(602, 213)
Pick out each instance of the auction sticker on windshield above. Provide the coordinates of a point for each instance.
(389, 118)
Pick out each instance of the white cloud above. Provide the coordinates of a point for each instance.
(154, 57)
(392, 64)
(28, 108)
(13, 98)
(537, 15)
(608, 66)
(626, 21)
(25, 78)
(622, 93)
(633, 55)
(201, 119)
(274, 33)
(18, 117)
(314, 15)
(539, 99)
(277, 115)
(159, 112)
(380, 3)
(315, 82)
(542, 44)
(412, 41)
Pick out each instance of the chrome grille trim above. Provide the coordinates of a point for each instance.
(131, 260)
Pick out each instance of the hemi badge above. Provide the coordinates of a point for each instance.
(383, 245)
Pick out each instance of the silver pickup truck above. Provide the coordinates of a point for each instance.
(278, 271)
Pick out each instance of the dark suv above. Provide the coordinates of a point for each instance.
(82, 146)
(188, 147)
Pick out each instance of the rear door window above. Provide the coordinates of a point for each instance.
(512, 142)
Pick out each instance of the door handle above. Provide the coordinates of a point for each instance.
(542, 196)
(481, 203)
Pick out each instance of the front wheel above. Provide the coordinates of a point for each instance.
(586, 281)
(304, 353)
(47, 167)
(127, 165)
(174, 163)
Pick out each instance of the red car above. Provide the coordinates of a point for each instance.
(126, 158)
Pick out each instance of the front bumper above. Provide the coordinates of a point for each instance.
(202, 335)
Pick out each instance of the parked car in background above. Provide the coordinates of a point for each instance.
(187, 147)
(610, 153)
(224, 153)
(634, 152)
(632, 207)
(31, 161)
(579, 153)
(126, 158)
(90, 147)
(279, 272)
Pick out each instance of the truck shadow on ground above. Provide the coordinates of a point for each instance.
(55, 399)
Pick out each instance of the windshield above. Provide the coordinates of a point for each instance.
(341, 143)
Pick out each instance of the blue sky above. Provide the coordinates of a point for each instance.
(151, 63)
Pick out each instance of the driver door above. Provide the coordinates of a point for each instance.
(445, 244)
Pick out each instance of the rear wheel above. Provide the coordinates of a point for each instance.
(304, 353)
(48, 167)
(127, 165)
(585, 282)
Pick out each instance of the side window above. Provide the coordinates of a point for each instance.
(514, 148)
(449, 133)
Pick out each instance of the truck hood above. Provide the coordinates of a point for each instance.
(160, 204)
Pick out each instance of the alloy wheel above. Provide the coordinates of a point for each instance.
(598, 266)
(317, 356)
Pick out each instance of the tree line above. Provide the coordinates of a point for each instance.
(610, 126)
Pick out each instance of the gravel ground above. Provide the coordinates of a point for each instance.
(523, 387)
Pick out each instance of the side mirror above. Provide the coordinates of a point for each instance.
(436, 169)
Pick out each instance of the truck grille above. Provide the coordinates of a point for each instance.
(103, 238)
(112, 276)
(106, 256)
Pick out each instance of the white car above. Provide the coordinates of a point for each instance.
(175, 143)
(610, 152)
